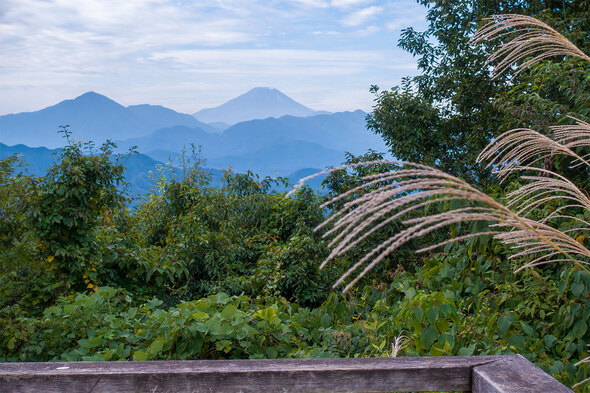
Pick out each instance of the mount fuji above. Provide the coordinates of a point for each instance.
(258, 103)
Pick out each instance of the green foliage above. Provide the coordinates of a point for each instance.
(23, 275)
(66, 206)
(489, 312)
(13, 189)
(203, 273)
(446, 115)
(110, 326)
(240, 238)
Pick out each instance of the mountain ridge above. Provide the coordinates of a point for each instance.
(91, 117)
(256, 141)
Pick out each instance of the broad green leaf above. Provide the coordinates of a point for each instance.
(438, 349)
(418, 314)
(326, 320)
(428, 336)
(549, 340)
(410, 293)
(442, 325)
(199, 315)
(11, 343)
(272, 352)
(504, 323)
(229, 311)
(517, 341)
(579, 328)
(432, 315)
(223, 346)
(156, 346)
(577, 288)
(556, 367)
(467, 351)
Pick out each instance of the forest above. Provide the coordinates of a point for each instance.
(194, 271)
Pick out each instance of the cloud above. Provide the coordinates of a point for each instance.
(270, 62)
(313, 3)
(358, 18)
(132, 24)
(349, 3)
(367, 31)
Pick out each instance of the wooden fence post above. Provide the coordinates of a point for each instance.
(514, 374)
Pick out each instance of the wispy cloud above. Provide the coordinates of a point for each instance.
(300, 62)
(313, 3)
(359, 17)
(349, 3)
(189, 54)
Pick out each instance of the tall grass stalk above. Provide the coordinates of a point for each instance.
(393, 195)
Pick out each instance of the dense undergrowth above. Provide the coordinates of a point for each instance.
(212, 273)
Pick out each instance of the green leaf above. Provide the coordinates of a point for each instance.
(577, 288)
(229, 312)
(549, 340)
(439, 349)
(517, 341)
(139, 355)
(272, 352)
(156, 346)
(504, 323)
(196, 345)
(11, 343)
(199, 315)
(467, 351)
(428, 336)
(93, 342)
(446, 309)
(326, 320)
(223, 346)
(410, 293)
(432, 315)
(418, 314)
(580, 328)
(556, 367)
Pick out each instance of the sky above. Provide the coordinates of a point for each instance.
(189, 55)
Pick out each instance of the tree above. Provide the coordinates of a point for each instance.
(449, 112)
(67, 206)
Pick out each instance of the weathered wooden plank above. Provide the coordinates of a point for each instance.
(260, 376)
(514, 374)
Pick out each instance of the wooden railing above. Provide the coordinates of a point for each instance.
(478, 374)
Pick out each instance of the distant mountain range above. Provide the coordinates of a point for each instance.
(91, 117)
(273, 145)
(270, 146)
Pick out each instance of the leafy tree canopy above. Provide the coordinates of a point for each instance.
(450, 111)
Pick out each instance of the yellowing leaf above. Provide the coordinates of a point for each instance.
(139, 355)
(156, 346)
